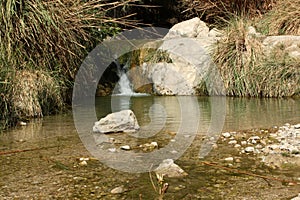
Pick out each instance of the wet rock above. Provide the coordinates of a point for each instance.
(232, 142)
(83, 163)
(123, 121)
(170, 169)
(229, 159)
(226, 135)
(149, 146)
(118, 190)
(253, 140)
(249, 149)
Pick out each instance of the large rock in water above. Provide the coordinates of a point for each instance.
(123, 121)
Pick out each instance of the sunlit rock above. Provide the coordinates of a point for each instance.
(170, 169)
(123, 121)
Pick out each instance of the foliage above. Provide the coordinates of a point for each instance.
(215, 11)
(248, 71)
(284, 18)
(45, 41)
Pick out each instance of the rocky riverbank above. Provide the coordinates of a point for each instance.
(277, 147)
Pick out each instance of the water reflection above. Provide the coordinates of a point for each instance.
(241, 113)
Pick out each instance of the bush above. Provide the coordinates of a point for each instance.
(42, 44)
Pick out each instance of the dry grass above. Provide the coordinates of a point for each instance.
(247, 72)
(284, 18)
(38, 37)
(214, 11)
(34, 93)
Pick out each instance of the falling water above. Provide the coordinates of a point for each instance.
(124, 85)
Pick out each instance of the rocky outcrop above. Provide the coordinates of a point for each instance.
(287, 43)
(123, 121)
(187, 45)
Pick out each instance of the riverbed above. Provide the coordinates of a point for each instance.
(44, 159)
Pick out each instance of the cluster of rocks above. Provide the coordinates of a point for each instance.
(273, 146)
(188, 45)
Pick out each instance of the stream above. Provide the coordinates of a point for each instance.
(44, 159)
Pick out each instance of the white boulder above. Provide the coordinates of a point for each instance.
(123, 121)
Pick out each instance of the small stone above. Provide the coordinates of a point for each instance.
(174, 151)
(125, 147)
(237, 146)
(154, 144)
(226, 135)
(84, 159)
(243, 143)
(22, 123)
(170, 169)
(254, 138)
(249, 149)
(253, 141)
(232, 142)
(229, 159)
(273, 147)
(297, 126)
(273, 135)
(112, 150)
(83, 163)
(259, 146)
(117, 190)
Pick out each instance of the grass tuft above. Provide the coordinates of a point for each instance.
(284, 18)
(247, 71)
(42, 45)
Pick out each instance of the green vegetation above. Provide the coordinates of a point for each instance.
(284, 18)
(42, 44)
(247, 71)
(215, 11)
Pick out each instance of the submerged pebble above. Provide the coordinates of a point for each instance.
(118, 190)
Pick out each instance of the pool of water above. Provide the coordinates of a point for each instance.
(50, 167)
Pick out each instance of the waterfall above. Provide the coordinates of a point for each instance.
(124, 86)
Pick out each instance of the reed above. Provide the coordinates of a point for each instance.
(42, 44)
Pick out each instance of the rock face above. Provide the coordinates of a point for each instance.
(289, 44)
(123, 121)
(187, 45)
